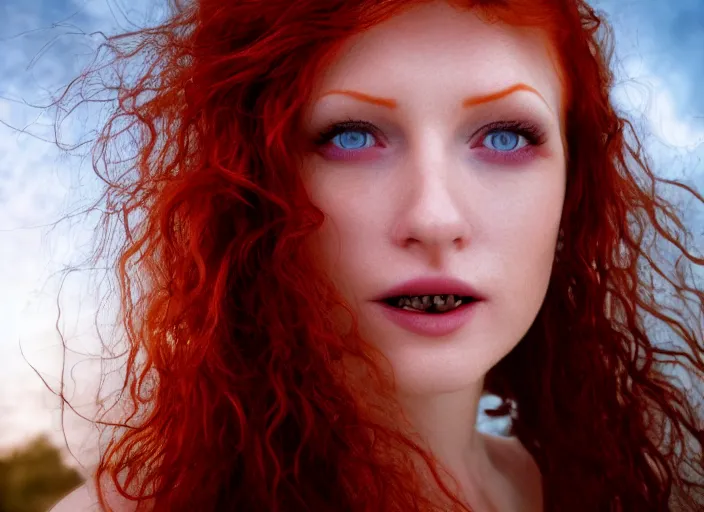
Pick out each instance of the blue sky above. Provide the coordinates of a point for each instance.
(44, 43)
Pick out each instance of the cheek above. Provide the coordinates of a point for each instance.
(525, 266)
(350, 204)
(529, 252)
(526, 223)
(339, 245)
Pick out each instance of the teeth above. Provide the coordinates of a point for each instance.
(441, 303)
(449, 304)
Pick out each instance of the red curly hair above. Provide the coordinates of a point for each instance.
(235, 404)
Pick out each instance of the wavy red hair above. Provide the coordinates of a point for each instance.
(235, 401)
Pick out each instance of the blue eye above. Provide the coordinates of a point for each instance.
(501, 137)
(504, 141)
(351, 139)
(350, 135)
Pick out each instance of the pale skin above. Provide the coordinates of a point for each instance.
(430, 193)
(422, 189)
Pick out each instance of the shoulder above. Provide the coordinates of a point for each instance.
(85, 499)
(79, 500)
(519, 467)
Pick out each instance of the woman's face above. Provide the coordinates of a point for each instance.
(453, 167)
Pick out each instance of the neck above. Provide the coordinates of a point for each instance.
(446, 426)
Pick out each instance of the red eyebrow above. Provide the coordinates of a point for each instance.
(467, 102)
(374, 100)
(494, 96)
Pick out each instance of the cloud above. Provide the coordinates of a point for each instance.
(35, 182)
(45, 45)
(669, 37)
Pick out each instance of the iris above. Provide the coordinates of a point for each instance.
(504, 140)
(351, 139)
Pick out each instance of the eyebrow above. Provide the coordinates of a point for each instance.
(470, 101)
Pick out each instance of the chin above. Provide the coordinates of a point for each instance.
(448, 368)
(448, 364)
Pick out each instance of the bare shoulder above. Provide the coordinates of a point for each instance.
(79, 500)
(514, 461)
(85, 499)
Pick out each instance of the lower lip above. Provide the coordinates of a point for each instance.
(430, 324)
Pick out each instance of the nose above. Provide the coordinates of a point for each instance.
(430, 219)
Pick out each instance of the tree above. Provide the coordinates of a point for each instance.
(33, 478)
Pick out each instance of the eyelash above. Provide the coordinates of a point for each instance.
(531, 132)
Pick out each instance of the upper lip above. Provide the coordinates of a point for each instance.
(432, 286)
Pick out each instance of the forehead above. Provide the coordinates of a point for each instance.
(437, 48)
